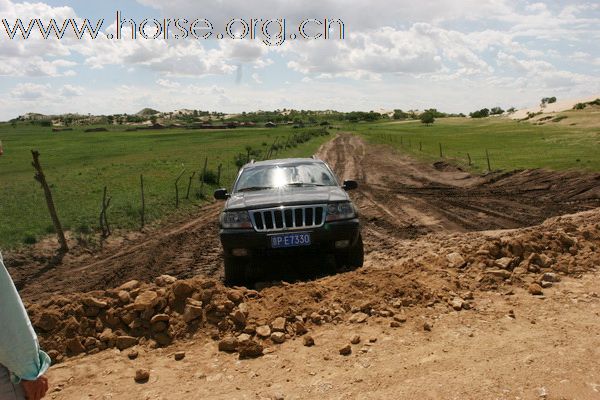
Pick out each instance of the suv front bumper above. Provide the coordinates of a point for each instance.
(323, 239)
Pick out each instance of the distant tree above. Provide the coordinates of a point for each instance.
(153, 119)
(436, 113)
(511, 110)
(547, 100)
(483, 113)
(427, 118)
(399, 114)
(579, 106)
(496, 111)
(110, 119)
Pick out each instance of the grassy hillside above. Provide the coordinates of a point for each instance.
(510, 144)
(78, 165)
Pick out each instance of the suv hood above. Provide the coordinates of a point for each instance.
(286, 196)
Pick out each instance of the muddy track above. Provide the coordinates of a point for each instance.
(184, 250)
(399, 199)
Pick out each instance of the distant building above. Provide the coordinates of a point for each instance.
(35, 117)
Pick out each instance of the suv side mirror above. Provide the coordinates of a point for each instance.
(349, 185)
(221, 194)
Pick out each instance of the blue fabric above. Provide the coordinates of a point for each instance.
(19, 348)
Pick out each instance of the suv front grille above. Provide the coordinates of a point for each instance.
(288, 218)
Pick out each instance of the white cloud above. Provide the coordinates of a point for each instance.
(168, 83)
(29, 91)
(71, 91)
(256, 78)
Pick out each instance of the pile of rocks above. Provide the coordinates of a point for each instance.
(136, 313)
(534, 257)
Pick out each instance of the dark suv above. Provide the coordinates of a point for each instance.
(287, 207)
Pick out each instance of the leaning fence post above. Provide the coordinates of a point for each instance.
(441, 154)
(41, 178)
(203, 176)
(103, 218)
(187, 193)
(487, 155)
(469, 157)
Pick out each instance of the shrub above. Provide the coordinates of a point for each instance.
(83, 229)
(29, 239)
(240, 160)
(210, 177)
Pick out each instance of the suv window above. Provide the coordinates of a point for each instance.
(277, 176)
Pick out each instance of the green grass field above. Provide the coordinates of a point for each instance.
(78, 165)
(511, 145)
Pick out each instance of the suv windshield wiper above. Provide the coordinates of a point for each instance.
(254, 188)
(300, 184)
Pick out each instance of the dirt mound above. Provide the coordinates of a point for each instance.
(567, 186)
(446, 269)
(444, 166)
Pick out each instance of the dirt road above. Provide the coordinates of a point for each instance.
(398, 197)
(547, 350)
(463, 296)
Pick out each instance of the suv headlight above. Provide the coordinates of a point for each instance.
(235, 219)
(337, 211)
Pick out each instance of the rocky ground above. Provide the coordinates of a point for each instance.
(473, 287)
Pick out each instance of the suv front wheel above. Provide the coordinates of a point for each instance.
(235, 271)
(353, 258)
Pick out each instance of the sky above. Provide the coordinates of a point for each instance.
(456, 56)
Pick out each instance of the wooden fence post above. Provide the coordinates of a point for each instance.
(219, 174)
(41, 178)
(487, 155)
(203, 176)
(420, 146)
(177, 189)
(469, 157)
(187, 193)
(103, 218)
(143, 211)
(441, 153)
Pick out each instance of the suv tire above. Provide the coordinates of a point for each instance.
(235, 271)
(354, 257)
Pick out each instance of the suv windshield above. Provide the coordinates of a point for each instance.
(278, 176)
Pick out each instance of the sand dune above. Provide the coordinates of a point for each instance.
(560, 105)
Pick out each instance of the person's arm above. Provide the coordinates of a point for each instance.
(19, 348)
